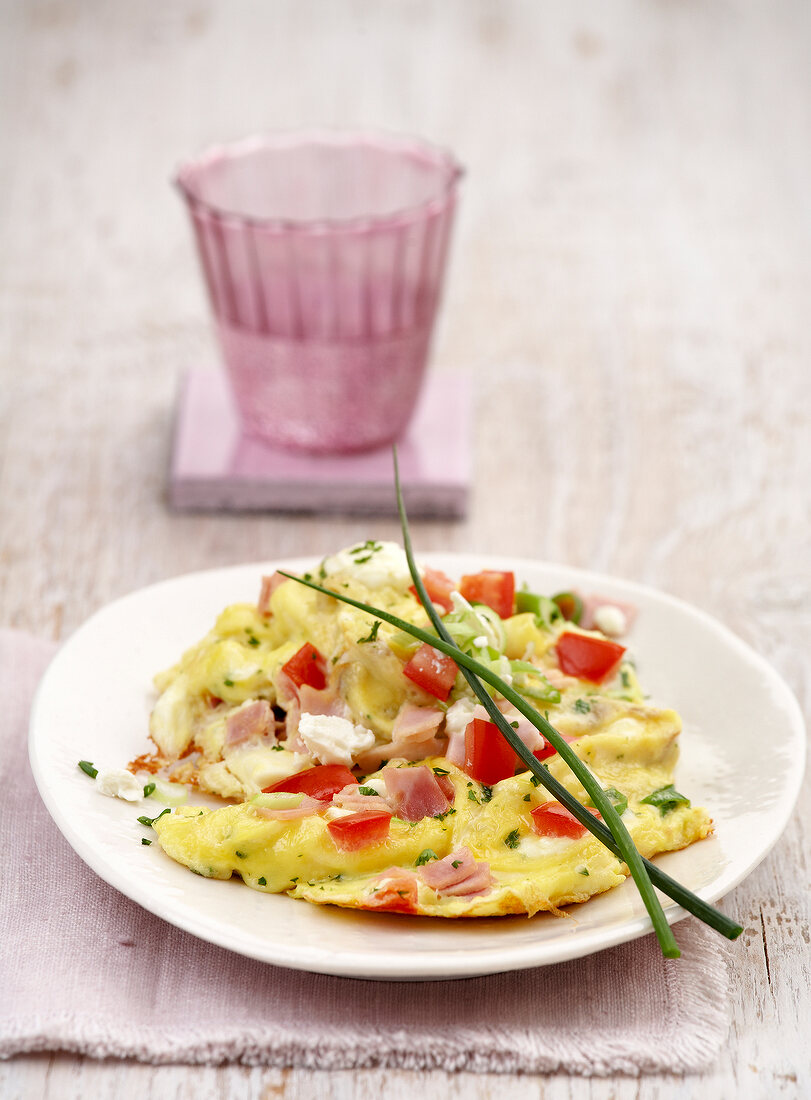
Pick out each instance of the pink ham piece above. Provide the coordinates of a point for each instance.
(269, 586)
(321, 701)
(457, 875)
(413, 737)
(306, 808)
(251, 721)
(414, 793)
(350, 798)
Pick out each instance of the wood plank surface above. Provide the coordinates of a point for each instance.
(629, 289)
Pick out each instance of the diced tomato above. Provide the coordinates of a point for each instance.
(307, 666)
(488, 756)
(544, 753)
(438, 587)
(433, 671)
(321, 782)
(495, 589)
(552, 819)
(360, 830)
(395, 891)
(586, 657)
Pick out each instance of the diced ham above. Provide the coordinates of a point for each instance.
(414, 793)
(525, 729)
(457, 875)
(350, 798)
(415, 723)
(321, 700)
(459, 717)
(591, 604)
(251, 720)
(269, 586)
(394, 891)
(306, 808)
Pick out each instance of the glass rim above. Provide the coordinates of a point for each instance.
(337, 136)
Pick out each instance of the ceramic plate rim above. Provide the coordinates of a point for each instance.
(386, 964)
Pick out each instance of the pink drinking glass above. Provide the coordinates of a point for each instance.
(323, 254)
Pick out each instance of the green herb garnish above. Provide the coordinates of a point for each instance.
(440, 771)
(366, 790)
(486, 792)
(613, 834)
(228, 683)
(425, 855)
(145, 840)
(512, 839)
(666, 799)
(148, 789)
(472, 796)
(372, 635)
(618, 800)
(88, 768)
(150, 821)
(262, 881)
(581, 706)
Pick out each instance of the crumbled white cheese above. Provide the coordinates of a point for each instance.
(611, 620)
(481, 641)
(459, 715)
(375, 564)
(118, 783)
(534, 847)
(334, 740)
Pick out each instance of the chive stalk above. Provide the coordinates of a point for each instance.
(602, 802)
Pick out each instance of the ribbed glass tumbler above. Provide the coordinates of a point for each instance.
(324, 254)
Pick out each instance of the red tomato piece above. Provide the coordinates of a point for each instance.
(433, 671)
(547, 751)
(488, 756)
(395, 892)
(360, 830)
(307, 666)
(586, 657)
(321, 782)
(438, 587)
(552, 819)
(495, 589)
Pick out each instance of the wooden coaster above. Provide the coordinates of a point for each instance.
(215, 467)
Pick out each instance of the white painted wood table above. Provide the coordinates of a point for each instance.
(630, 291)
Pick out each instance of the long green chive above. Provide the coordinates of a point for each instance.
(620, 834)
(540, 775)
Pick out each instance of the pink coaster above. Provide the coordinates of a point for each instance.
(215, 467)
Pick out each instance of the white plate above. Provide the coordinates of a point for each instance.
(743, 750)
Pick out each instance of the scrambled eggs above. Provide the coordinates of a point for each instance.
(361, 770)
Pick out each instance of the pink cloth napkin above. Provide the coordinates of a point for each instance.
(84, 969)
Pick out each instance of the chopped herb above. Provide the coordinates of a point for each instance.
(535, 781)
(486, 793)
(201, 813)
(626, 679)
(425, 855)
(583, 871)
(88, 768)
(666, 799)
(618, 800)
(240, 855)
(472, 796)
(308, 576)
(150, 821)
(383, 763)
(366, 790)
(440, 771)
(512, 839)
(253, 641)
(514, 725)
(403, 893)
(262, 881)
(148, 789)
(228, 683)
(582, 706)
(372, 635)
(322, 571)
(145, 840)
(441, 817)
(294, 879)
(456, 863)
(277, 748)
(363, 560)
(527, 798)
